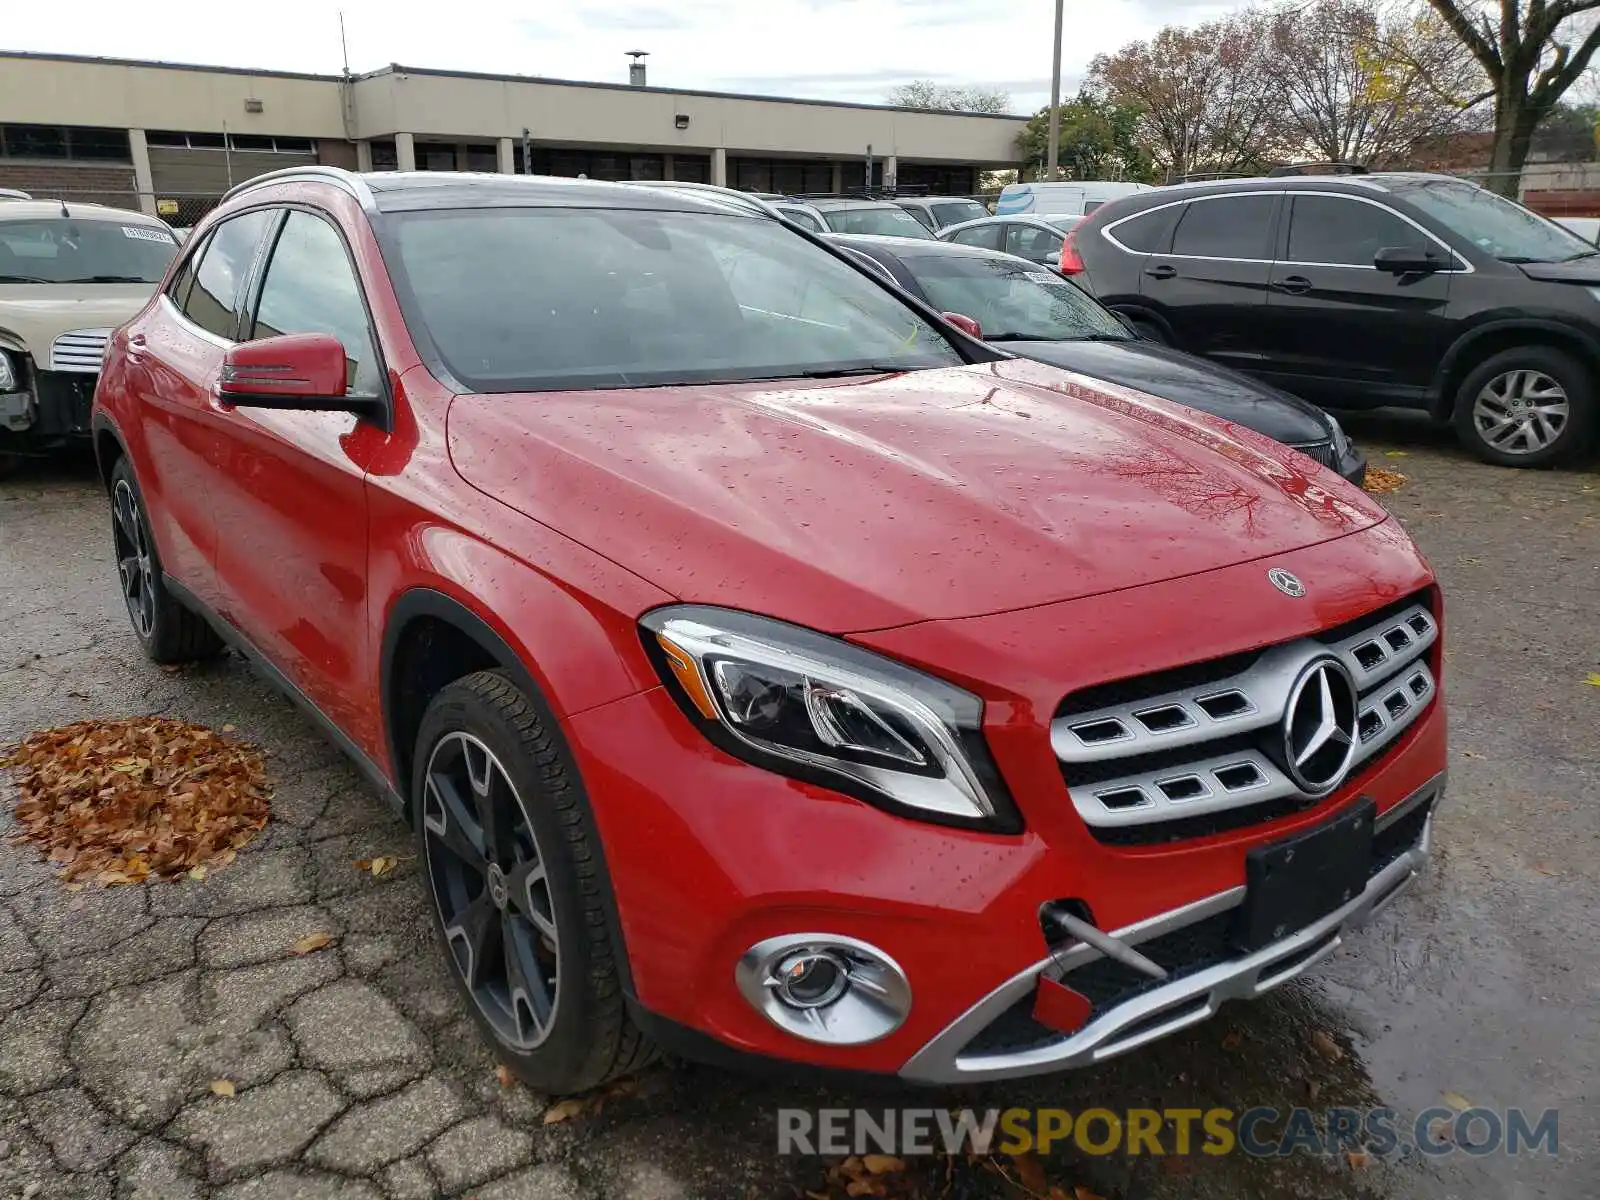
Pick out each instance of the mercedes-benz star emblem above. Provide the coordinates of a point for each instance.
(1319, 727)
(1286, 582)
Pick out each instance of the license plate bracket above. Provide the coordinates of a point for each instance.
(1292, 883)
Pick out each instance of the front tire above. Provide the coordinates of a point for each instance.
(510, 855)
(1533, 406)
(167, 631)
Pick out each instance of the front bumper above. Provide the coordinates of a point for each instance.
(1184, 999)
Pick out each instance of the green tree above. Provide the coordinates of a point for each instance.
(1099, 140)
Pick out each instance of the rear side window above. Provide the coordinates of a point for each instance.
(183, 277)
(1332, 229)
(310, 287)
(986, 236)
(1148, 233)
(1227, 227)
(1029, 241)
(213, 302)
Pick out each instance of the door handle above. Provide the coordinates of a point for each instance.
(1162, 272)
(1295, 285)
(137, 345)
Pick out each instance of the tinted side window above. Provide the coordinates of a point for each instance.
(183, 277)
(1029, 241)
(1228, 227)
(987, 236)
(1331, 229)
(1148, 233)
(310, 287)
(213, 302)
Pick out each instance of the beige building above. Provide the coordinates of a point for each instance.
(174, 138)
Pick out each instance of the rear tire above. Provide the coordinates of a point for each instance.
(510, 855)
(168, 632)
(1533, 406)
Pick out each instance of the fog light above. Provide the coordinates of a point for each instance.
(825, 987)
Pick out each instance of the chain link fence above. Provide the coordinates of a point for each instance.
(181, 210)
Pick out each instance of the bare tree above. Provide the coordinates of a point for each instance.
(941, 97)
(1365, 85)
(1532, 52)
(1204, 95)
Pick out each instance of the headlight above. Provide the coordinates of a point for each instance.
(1341, 441)
(8, 373)
(820, 709)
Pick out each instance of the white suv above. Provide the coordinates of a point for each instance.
(69, 274)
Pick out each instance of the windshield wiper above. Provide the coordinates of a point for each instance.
(109, 279)
(840, 372)
(1580, 254)
(23, 279)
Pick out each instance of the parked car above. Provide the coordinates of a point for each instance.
(1037, 239)
(940, 212)
(801, 214)
(1075, 199)
(1423, 291)
(68, 274)
(13, 194)
(1037, 314)
(763, 662)
(847, 215)
(1588, 228)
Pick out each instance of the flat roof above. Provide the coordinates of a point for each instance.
(400, 69)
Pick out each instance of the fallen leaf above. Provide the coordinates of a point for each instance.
(221, 1087)
(564, 1111)
(1397, 454)
(1030, 1170)
(1381, 479)
(312, 942)
(504, 1077)
(227, 729)
(882, 1164)
(1457, 1101)
(1326, 1046)
(383, 866)
(865, 1187)
(1546, 869)
(1232, 1040)
(1593, 679)
(1470, 754)
(1082, 1193)
(197, 873)
(1359, 1160)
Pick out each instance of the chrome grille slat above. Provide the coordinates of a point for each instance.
(79, 350)
(1386, 661)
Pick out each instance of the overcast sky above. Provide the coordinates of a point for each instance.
(830, 49)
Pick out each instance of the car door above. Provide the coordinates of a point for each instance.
(1337, 328)
(1033, 242)
(291, 504)
(174, 352)
(1210, 284)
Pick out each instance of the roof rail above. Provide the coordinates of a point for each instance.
(1317, 168)
(348, 181)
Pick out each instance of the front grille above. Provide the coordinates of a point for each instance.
(1322, 452)
(81, 351)
(1198, 750)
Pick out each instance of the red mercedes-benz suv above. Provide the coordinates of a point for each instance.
(765, 665)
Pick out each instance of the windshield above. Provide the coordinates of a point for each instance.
(1064, 223)
(1494, 224)
(1012, 299)
(543, 299)
(886, 219)
(64, 250)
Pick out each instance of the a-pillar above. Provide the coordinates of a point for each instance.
(143, 181)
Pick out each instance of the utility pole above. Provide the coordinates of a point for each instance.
(1053, 157)
(527, 151)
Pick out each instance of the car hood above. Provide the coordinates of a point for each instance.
(33, 315)
(862, 504)
(1174, 375)
(1583, 271)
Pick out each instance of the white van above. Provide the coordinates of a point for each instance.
(1075, 199)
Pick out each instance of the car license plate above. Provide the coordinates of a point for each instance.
(1292, 883)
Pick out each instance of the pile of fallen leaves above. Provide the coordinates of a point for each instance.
(119, 801)
(1381, 479)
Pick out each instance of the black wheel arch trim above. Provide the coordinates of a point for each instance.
(100, 422)
(1441, 400)
(427, 602)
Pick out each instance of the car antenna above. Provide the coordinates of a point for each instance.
(64, 211)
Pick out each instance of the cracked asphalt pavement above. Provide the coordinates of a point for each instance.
(358, 1075)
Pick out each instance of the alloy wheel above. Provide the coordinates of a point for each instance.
(1521, 412)
(491, 889)
(134, 565)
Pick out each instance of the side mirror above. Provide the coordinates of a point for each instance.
(297, 371)
(1408, 260)
(966, 324)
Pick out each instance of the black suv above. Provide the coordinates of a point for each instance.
(1357, 291)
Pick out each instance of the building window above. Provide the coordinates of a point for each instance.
(596, 164)
(244, 143)
(71, 142)
(384, 156)
(787, 176)
(940, 181)
(691, 168)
